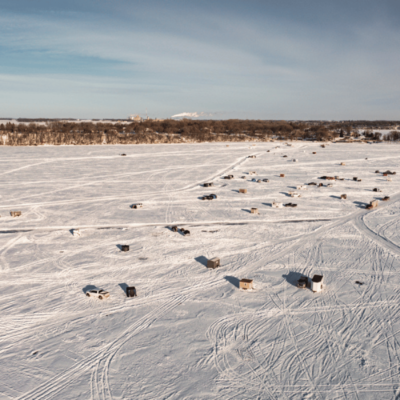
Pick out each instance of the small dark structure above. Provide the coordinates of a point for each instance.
(131, 291)
(302, 282)
(124, 247)
(377, 171)
(123, 154)
(312, 184)
(266, 180)
(228, 177)
(15, 213)
(389, 172)
(208, 184)
(290, 205)
(246, 284)
(282, 175)
(209, 197)
(386, 198)
(320, 185)
(252, 156)
(284, 156)
(355, 178)
(359, 283)
(343, 197)
(376, 190)
(254, 211)
(243, 177)
(136, 206)
(174, 228)
(213, 263)
(323, 146)
(185, 232)
(314, 152)
(385, 174)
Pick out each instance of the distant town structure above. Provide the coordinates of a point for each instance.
(136, 118)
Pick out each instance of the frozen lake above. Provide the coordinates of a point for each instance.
(192, 333)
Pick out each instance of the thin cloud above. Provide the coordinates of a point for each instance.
(189, 115)
(267, 69)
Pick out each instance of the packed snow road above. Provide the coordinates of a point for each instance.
(191, 333)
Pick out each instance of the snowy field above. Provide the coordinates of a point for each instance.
(192, 333)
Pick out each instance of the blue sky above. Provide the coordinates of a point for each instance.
(286, 59)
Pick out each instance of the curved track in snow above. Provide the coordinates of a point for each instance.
(192, 332)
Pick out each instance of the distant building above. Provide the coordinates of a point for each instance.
(136, 118)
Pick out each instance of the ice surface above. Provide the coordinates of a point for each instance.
(191, 333)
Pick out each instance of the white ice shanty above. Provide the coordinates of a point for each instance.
(317, 283)
(76, 232)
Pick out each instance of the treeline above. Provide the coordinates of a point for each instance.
(177, 131)
(393, 136)
(359, 124)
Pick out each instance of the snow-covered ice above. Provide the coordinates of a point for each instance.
(191, 333)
